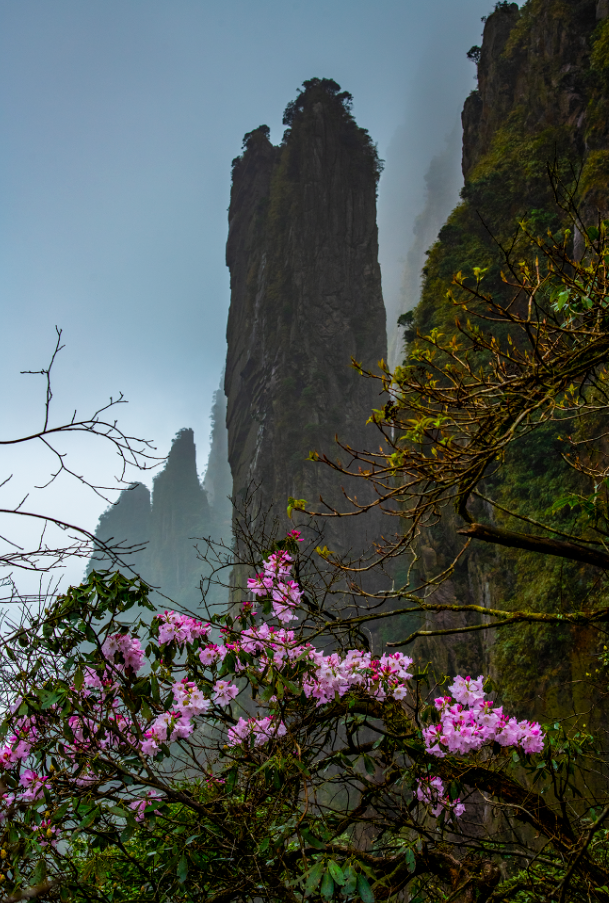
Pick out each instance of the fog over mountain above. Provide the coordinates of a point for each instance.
(120, 122)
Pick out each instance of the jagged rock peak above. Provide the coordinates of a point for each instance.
(182, 457)
(305, 296)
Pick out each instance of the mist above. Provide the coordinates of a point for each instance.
(120, 122)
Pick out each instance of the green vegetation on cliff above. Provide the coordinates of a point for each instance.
(542, 105)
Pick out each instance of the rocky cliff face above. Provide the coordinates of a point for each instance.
(305, 298)
(534, 64)
(542, 98)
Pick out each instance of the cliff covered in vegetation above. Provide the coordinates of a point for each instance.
(541, 106)
(305, 298)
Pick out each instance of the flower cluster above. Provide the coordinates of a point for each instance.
(140, 805)
(274, 582)
(335, 675)
(180, 629)
(469, 721)
(104, 721)
(46, 834)
(125, 651)
(261, 730)
(432, 792)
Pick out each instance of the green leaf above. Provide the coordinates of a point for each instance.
(127, 834)
(154, 687)
(302, 768)
(89, 819)
(314, 841)
(411, 862)
(100, 871)
(336, 872)
(327, 886)
(231, 779)
(369, 764)
(182, 869)
(314, 877)
(79, 679)
(291, 686)
(295, 505)
(141, 687)
(364, 890)
(454, 790)
(350, 880)
(62, 810)
(39, 873)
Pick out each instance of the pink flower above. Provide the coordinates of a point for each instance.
(224, 692)
(278, 565)
(431, 791)
(210, 654)
(260, 585)
(46, 834)
(265, 729)
(189, 699)
(34, 786)
(180, 629)
(175, 725)
(473, 722)
(128, 648)
(240, 732)
(140, 805)
(466, 690)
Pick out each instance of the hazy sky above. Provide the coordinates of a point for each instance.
(119, 120)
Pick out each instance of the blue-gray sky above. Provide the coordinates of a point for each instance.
(119, 120)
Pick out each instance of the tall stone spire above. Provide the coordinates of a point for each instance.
(305, 298)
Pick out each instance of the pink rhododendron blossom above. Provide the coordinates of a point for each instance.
(85, 777)
(472, 722)
(189, 699)
(224, 692)
(6, 801)
(278, 565)
(34, 786)
(140, 805)
(431, 791)
(260, 585)
(180, 629)
(261, 729)
(212, 654)
(46, 834)
(126, 647)
(104, 724)
(466, 690)
(168, 727)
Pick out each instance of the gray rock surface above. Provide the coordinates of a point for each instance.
(305, 298)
